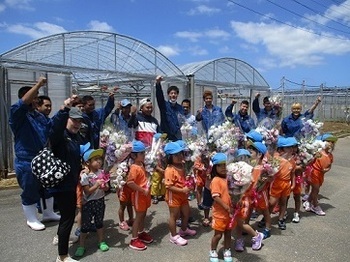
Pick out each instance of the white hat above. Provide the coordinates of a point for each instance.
(145, 101)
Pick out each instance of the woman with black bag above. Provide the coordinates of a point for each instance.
(65, 143)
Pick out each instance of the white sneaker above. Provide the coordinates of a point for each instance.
(296, 218)
(228, 255)
(317, 210)
(213, 256)
(307, 206)
(67, 259)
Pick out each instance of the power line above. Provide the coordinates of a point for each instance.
(292, 12)
(279, 21)
(316, 12)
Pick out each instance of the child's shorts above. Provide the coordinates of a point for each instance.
(141, 202)
(280, 188)
(208, 200)
(220, 224)
(200, 179)
(316, 178)
(176, 199)
(262, 201)
(124, 194)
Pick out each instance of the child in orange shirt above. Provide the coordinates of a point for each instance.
(245, 209)
(320, 166)
(222, 208)
(141, 197)
(200, 169)
(283, 181)
(176, 193)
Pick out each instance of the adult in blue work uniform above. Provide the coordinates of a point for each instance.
(292, 124)
(95, 118)
(170, 111)
(209, 114)
(242, 119)
(31, 130)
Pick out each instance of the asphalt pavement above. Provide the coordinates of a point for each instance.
(315, 238)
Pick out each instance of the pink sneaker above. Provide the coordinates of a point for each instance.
(317, 210)
(187, 232)
(178, 240)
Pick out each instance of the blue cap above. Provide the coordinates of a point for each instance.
(182, 144)
(254, 135)
(327, 137)
(242, 152)
(172, 148)
(157, 135)
(138, 146)
(286, 141)
(125, 103)
(260, 147)
(88, 153)
(219, 158)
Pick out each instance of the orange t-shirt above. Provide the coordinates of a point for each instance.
(219, 187)
(138, 175)
(174, 177)
(286, 168)
(323, 162)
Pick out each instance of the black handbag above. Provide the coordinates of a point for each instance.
(48, 169)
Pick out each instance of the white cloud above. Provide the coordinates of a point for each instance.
(339, 13)
(198, 51)
(95, 25)
(289, 45)
(192, 36)
(2, 7)
(203, 10)
(217, 33)
(211, 34)
(20, 4)
(37, 30)
(168, 51)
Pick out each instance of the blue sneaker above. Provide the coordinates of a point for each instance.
(266, 232)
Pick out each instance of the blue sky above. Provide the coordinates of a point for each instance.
(303, 40)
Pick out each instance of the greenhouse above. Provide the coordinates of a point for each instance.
(96, 63)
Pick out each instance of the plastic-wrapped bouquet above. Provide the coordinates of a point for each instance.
(104, 138)
(224, 138)
(310, 129)
(191, 184)
(270, 136)
(117, 148)
(188, 131)
(155, 153)
(102, 175)
(270, 166)
(239, 177)
(120, 173)
(308, 150)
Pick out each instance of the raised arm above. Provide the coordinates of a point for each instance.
(256, 106)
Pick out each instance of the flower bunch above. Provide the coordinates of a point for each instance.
(223, 138)
(104, 138)
(239, 177)
(102, 175)
(270, 167)
(270, 137)
(120, 173)
(188, 131)
(276, 102)
(308, 151)
(155, 153)
(310, 128)
(196, 148)
(117, 148)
